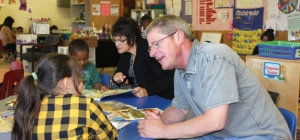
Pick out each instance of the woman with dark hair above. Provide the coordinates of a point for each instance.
(6, 36)
(49, 105)
(136, 69)
(268, 35)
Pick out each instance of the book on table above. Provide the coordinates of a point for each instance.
(98, 94)
(110, 106)
(136, 114)
(6, 121)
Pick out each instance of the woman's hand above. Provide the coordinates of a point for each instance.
(119, 77)
(140, 92)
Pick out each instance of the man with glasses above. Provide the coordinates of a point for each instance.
(212, 81)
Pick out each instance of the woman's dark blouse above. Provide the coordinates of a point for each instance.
(147, 72)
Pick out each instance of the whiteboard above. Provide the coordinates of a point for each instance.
(212, 37)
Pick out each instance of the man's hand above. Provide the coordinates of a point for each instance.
(152, 127)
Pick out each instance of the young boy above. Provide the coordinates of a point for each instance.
(145, 21)
(79, 49)
(19, 30)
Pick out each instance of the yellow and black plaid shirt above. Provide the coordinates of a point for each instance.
(72, 117)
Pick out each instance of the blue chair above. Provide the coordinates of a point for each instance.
(290, 119)
(104, 78)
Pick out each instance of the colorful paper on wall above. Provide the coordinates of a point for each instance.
(207, 18)
(206, 12)
(114, 10)
(105, 9)
(287, 6)
(247, 29)
(248, 3)
(224, 3)
(294, 26)
(96, 9)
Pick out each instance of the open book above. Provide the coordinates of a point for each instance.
(136, 114)
(110, 106)
(98, 94)
(6, 121)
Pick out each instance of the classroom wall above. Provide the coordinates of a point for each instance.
(40, 9)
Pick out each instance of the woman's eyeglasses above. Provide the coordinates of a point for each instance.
(119, 40)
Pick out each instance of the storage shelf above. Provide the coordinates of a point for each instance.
(74, 4)
(78, 21)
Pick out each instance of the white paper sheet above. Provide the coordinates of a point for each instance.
(273, 11)
(188, 7)
(173, 7)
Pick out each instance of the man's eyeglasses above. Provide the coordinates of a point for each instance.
(155, 44)
(119, 40)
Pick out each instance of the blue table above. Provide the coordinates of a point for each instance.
(130, 131)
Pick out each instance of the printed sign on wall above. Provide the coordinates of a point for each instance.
(274, 71)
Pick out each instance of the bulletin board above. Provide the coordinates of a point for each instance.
(108, 13)
(210, 15)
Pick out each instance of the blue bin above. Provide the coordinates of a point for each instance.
(65, 36)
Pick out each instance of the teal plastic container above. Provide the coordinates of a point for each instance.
(65, 36)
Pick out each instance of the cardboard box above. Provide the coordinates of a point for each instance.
(90, 40)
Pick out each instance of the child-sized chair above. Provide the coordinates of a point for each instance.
(291, 120)
(105, 78)
(16, 65)
(10, 82)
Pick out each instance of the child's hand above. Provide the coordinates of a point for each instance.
(104, 88)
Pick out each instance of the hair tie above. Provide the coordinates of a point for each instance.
(34, 76)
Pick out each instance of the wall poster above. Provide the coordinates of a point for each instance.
(294, 26)
(247, 29)
(212, 37)
(207, 18)
(224, 3)
(248, 3)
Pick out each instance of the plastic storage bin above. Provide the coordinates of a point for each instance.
(279, 49)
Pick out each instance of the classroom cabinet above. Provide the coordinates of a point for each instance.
(287, 81)
(80, 14)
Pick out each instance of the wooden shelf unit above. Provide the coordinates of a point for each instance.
(288, 90)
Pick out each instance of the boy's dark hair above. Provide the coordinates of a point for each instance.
(145, 18)
(126, 27)
(19, 28)
(269, 33)
(53, 27)
(78, 45)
